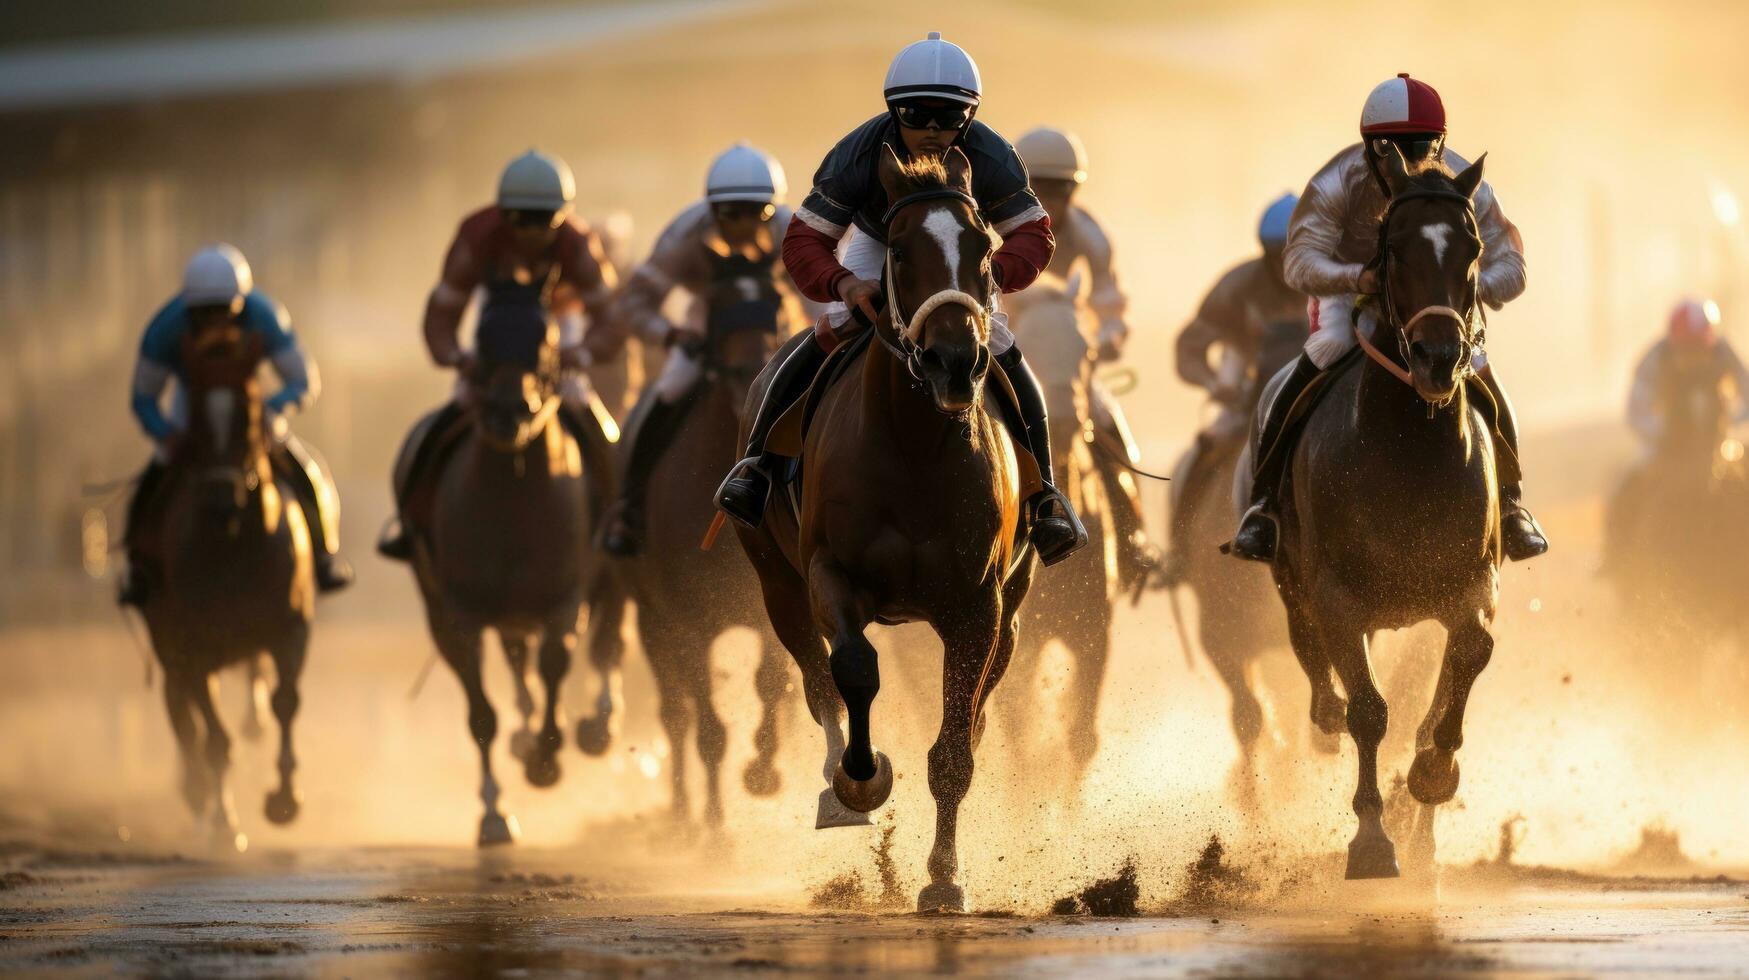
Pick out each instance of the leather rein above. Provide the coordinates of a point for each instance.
(907, 329)
(1382, 262)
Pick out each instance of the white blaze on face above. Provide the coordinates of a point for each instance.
(946, 229)
(1439, 233)
(220, 402)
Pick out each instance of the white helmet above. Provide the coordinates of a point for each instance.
(536, 182)
(743, 173)
(218, 275)
(933, 68)
(1053, 154)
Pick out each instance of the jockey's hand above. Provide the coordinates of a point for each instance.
(1368, 282)
(860, 293)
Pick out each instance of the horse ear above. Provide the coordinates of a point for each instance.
(891, 173)
(1392, 165)
(1471, 179)
(959, 169)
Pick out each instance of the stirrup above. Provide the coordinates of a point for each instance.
(1258, 534)
(1530, 541)
(623, 534)
(333, 573)
(1056, 531)
(739, 495)
(396, 541)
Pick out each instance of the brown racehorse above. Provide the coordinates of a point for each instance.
(507, 546)
(686, 597)
(238, 573)
(909, 505)
(1074, 601)
(1391, 513)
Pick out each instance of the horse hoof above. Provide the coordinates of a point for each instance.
(835, 814)
(594, 736)
(1371, 857)
(521, 744)
(941, 896)
(282, 807)
(762, 778)
(497, 829)
(864, 795)
(1433, 777)
(542, 769)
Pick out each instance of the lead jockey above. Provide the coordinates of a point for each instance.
(1056, 163)
(526, 248)
(932, 92)
(218, 285)
(1331, 241)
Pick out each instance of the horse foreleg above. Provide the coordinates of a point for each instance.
(771, 681)
(1329, 709)
(460, 645)
(558, 644)
(713, 738)
(196, 781)
(1246, 714)
(288, 667)
(607, 603)
(664, 646)
(1092, 651)
(518, 650)
(977, 647)
(255, 704)
(218, 765)
(1370, 854)
(1433, 778)
(864, 777)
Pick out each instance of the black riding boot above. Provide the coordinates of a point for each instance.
(1177, 563)
(301, 469)
(748, 486)
(1257, 534)
(1521, 537)
(624, 533)
(396, 542)
(137, 585)
(1055, 530)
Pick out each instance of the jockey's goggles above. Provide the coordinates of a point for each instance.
(951, 116)
(1416, 146)
(737, 211)
(533, 219)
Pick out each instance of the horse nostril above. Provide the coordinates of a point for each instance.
(931, 361)
(1419, 351)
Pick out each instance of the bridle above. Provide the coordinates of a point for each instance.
(907, 329)
(1382, 261)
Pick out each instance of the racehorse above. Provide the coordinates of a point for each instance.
(1391, 513)
(908, 509)
(1074, 602)
(507, 546)
(238, 573)
(686, 597)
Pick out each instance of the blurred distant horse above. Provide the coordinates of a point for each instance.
(238, 573)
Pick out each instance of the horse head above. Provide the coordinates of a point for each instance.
(939, 278)
(224, 437)
(742, 331)
(516, 374)
(1430, 251)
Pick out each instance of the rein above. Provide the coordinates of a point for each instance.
(1382, 262)
(907, 329)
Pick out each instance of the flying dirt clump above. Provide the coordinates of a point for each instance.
(847, 892)
(1211, 883)
(1114, 896)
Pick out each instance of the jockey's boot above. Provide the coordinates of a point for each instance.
(1055, 530)
(137, 584)
(623, 535)
(311, 485)
(1258, 531)
(396, 542)
(1137, 556)
(1189, 493)
(744, 492)
(1521, 537)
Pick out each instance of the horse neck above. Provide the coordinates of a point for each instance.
(890, 394)
(1393, 409)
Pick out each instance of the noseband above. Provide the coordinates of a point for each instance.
(907, 329)
(1382, 262)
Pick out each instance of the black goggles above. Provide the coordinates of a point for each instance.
(734, 211)
(1417, 146)
(522, 218)
(952, 116)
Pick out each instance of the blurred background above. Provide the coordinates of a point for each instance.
(338, 143)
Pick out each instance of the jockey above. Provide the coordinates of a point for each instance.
(1331, 241)
(1238, 314)
(932, 93)
(526, 248)
(729, 241)
(1057, 165)
(1691, 355)
(218, 286)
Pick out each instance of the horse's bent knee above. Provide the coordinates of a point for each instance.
(1368, 717)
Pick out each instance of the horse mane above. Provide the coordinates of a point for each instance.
(924, 173)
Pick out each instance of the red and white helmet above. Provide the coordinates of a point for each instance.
(1695, 323)
(1402, 105)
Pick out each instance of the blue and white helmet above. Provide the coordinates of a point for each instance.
(935, 69)
(1272, 227)
(217, 275)
(744, 173)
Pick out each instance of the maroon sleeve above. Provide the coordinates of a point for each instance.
(811, 257)
(1025, 253)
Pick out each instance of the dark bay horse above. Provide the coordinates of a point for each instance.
(1075, 598)
(908, 511)
(238, 574)
(507, 547)
(1391, 515)
(687, 597)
